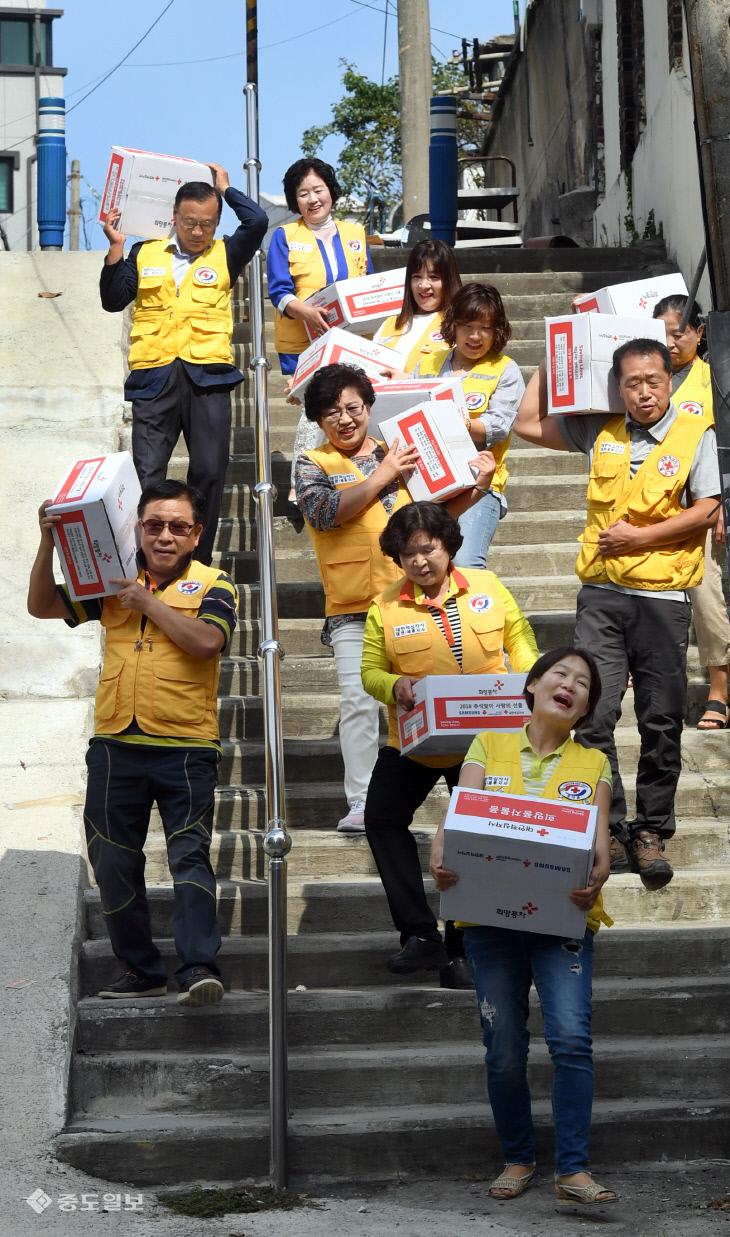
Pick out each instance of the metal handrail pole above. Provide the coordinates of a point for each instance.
(277, 842)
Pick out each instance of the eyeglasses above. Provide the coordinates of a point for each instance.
(178, 528)
(205, 225)
(352, 410)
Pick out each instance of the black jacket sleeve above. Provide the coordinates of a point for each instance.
(247, 238)
(118, 283)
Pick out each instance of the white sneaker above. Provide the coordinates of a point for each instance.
(354, 822)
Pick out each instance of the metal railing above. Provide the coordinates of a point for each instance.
(277, 842)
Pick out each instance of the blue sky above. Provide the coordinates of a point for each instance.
(195, 108)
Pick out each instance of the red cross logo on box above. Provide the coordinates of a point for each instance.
(530, 908)
(543, 832)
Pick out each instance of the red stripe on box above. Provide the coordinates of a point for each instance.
(522, 811)
(63, 494)
(110, 188)
(514, 721)
(405, 426)
(312, 365)
(556, 329)
(390, 306)
(77, 517)
(420, 713)
(588, 307)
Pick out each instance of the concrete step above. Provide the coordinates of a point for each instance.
(319, 853)
(140, 1083)
(241, 676)
(299, 637)
(377, 1144)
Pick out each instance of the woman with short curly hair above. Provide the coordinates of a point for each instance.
(477, 329)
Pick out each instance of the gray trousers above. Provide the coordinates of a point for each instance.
(203, 416)
(647, 638)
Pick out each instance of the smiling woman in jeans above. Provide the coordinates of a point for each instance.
(562, 690)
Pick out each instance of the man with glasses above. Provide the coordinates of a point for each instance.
(180, 358)
(155, 738)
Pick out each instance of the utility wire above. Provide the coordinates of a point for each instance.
(385, 42)
(232, 55)
(363, 5)
(121, 62)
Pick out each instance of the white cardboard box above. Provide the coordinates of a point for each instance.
(96, 538)
(580, 350)
(632, 300)
(452, 709)
(445, 448)
(340, 347)
(517, 860)
(362, 304)
(143, 186)
(396, 395)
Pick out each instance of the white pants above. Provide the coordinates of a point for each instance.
(709, 610)
(359, 713)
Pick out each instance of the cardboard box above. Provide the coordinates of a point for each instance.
(632, 300)
(452, 709)
(439, 432)
(143, 186)
(580, 350)
(518, 859)
(395, 395)
(339, 347)
(362, 304)
(97, 536)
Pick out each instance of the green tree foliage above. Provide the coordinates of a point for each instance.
(368, 118)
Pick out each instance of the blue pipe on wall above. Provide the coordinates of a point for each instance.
(443, 169)
(51, 172)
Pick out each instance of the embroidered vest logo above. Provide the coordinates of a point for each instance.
(577, 792)
(189, 586)
(481, 604)
(668, 466)
(475, 400)
(689, 405)
(205, 275)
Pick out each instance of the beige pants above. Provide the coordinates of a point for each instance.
(709, 609)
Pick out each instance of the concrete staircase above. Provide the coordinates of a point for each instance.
(387, 1077)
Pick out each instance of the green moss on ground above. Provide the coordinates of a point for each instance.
(212, 1203)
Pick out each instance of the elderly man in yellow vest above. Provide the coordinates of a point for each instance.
(180, 360)
(155, 737)
(653, 492)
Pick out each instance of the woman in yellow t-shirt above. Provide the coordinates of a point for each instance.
(562, 690)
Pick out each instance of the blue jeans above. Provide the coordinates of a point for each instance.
(288, 362)
(504, 962)
(478, 525)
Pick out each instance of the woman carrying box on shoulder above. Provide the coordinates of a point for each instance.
(692, 392)
(477, 328)
(434, 620)
(431, 283)
(346, 491)
(305, 256)
(562, 690)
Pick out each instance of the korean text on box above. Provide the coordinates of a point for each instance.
(143, 186)
(632, 300)
(444, 445)
(362, 304)
(580, 350)
(452, 709)
(96, 536)
(396, 395)
(518, 859)
(337, 347)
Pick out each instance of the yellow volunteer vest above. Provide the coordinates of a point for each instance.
(431, 340)
(695, 393)
(478, 385)
(414, 644)
(192, 322)
(352, 565)
(306, 267)
(577, 764)
(147, 676)
(653, 495)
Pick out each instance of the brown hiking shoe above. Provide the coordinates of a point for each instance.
(645, 856)
(619, 858)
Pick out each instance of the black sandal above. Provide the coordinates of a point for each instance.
(714, 706)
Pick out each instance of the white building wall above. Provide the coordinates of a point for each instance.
(665, 176)
(17, 133)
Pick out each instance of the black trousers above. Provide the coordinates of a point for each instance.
(647, 638)
(125, 779)
(398, 787)
(203, 415)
